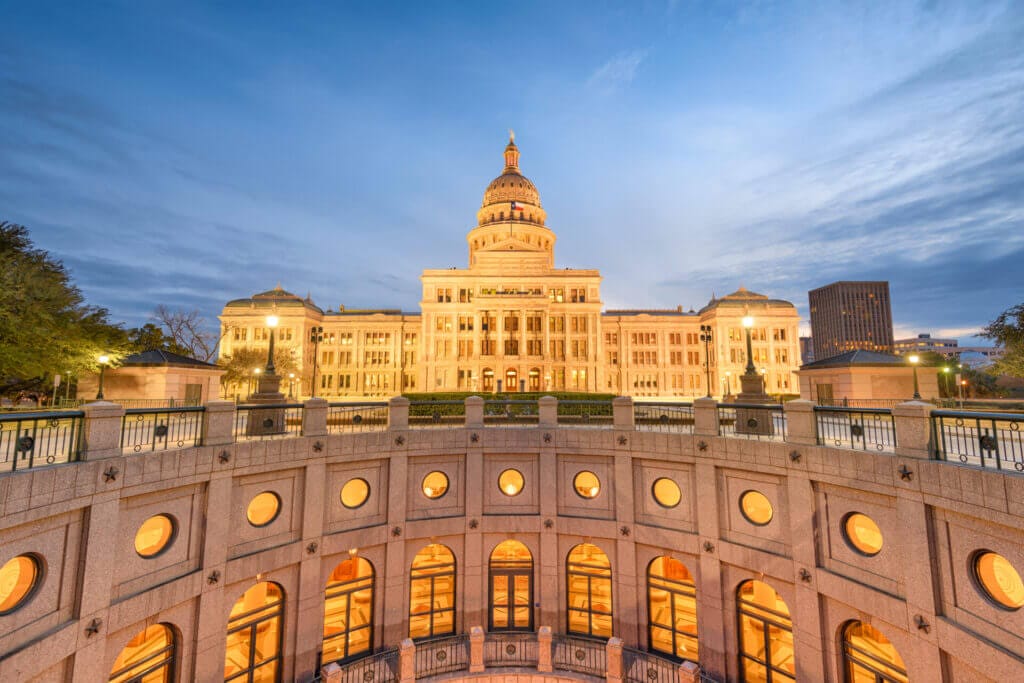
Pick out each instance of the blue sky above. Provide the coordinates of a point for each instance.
(185, 153)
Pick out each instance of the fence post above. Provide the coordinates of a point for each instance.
(544, 649)
(913, 429)
(547, 411)
(705, 417)
(474, 411)
(314, 417)
(476, 650)
(219, 423)
(801, 424)
(689, 673)
(407, 661)
(622, 412)
(398, 413)
(101, 430)
(613, 652)
(331, 673)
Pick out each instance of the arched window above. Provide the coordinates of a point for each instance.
(432, 592)
(511, 587)
(254, 635)
(766, 634)
(671, 608)
(870, 657)
(148, 657)
(348, 611)
(589, 582)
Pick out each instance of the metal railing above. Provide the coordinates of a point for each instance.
(380, 667)
(585, 413)
(30, 440)
(646, 667)
(581, 655)
(752, 421)
(357, 417)
(156, 429)
(129, 403)
(866, 429)
(663, 417)
(442, 655)
(440, 414)
(509, 413)
(511, 649)
(990, 440)
(268, 421)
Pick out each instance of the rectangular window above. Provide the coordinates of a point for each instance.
(345, 338)
(611, 338)
(675, 357)
(577, 296)
(557, 347)
(557, 294)
(465, 323)
(579, 348)
(511, 347)
(533, 324)
(613, 357)
(443, 323)
(535, 347)
(511, 323)
(579, 323)
(488, 347)
(779, 334)
(465, 296)
(556, 323)
(465, 348)
(675, 338)
(444, 295)
(692, 337)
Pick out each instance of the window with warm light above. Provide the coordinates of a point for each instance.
(862, 534)
(999, 580)
(511, 587)
(432, 592)
(354, 493)
(253, 652)
(589, 578)
(766, 635)
(147, 658)
(348, 611)
(435, 484)
(671, 608)
(19, 578)
(586, 484)
(870, 657)
(756, 508)
(510, 482)
(263, 508)
(154, 536)
(666, 492)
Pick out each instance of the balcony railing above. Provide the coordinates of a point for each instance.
(268, 421)
(380, 667)
(438, 414)
(585, 413)
(663, 417)
(442, 655)
(510, 649)
(644, 667)
(866, 429)
(156, 429)
(990, 440)
(752, 421)
(30, 440)
(343, 418)
(581, 655)
(508, 413)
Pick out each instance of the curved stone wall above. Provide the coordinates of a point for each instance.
(97, 592)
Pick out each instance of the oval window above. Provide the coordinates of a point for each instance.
(863, 534)
(510, 482)
(586, 484)
(756, 507)
(154, 536)
(354, 493)
(666, 492)
(19, 578)
(263, 508)
(435, 484)
(998, 578)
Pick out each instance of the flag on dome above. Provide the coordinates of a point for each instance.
(517, 206)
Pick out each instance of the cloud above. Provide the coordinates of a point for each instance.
(617, 72)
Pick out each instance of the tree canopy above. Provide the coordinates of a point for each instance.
(1007, 330)
(238, 365)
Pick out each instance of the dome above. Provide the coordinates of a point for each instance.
(511, 185)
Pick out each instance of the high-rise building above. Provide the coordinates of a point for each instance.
(846, 316)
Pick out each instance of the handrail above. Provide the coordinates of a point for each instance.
(174, 409)
(844, 409)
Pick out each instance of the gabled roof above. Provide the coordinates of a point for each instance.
(160, 357)
(857, 357)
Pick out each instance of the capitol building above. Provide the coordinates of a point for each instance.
(511, 321)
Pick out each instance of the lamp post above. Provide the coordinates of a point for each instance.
(316, 335)
(705, 336)
(751, 371)
(272, 321)
(960, 384)
(914, 360)
(103, 366)
(254, 381)
(291, 383)
(945, 382)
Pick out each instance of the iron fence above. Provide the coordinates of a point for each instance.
(646, 667)
(509, 413)
(380, 667)
(30, 440)
(581, 655)
(440, 414)
(128, 403)
(752, 421)
(510, 649)
(585, 413)
(991, 440)
(663, 417)
(268, 421)
(867, 429)
(442, 655)
(357, 417)
(154, 429)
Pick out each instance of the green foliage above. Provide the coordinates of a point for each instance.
(238, 366)
(423, 402)
(1007, 330)
(151, 337)
(45, 325)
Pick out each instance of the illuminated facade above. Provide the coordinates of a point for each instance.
(512, 321)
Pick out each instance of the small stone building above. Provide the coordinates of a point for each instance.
(156, 375)
(865, 377)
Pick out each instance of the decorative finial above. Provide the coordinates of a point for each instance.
(278, 288)
(511, 136)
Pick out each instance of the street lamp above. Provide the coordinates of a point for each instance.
(255, 380)
(103, 366)
(272, 321)
(751, 371)
(914, 360)
(960, 383)
(705, 336)
(316, 335)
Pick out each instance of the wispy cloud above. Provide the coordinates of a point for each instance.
(617, 72)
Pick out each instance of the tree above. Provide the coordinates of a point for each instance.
(150, 337)
(238, 366)
(189, 330)
(45, 325)
(1007, 331)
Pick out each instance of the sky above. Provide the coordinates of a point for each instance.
(185, 153)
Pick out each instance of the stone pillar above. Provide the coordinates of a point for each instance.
(90, 663)
(544, 649)
(474, 411)
(219, 423)
(332, 673)
(689, 673)
(101, 430)
(476, 650)
(801, 425)
(705, 417)
(622, 412)
(406, 661)
(398, 413)
(547, 409)
(314, 417)
(913, 429)
(613, 652)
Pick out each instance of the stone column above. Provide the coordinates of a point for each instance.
(689, 673)
(398, 413)
(801, 426)
(219, 423)
(613, 652)
(622, 412)
(314, 417)
(913, 429)
(544, 649)
(101, 430)
(547, 409)
(476, 650)
(332, 673)
(406, 661)
(705, 417)
(474, 412)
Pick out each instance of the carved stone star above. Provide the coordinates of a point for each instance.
(110, 474)
(317, 447)
(224, 456)
(702, 445)
(623, 440)
(399, 440)
(795, 456)
(906, 474)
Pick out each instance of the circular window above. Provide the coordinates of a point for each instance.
(756, 507)
(510, 482)
(19, 578)
(154, 536)
(666, 492)
(435, 484)
(586, 484)
(354, 493)
(999, 579)
(862, 533)
(263, 508)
